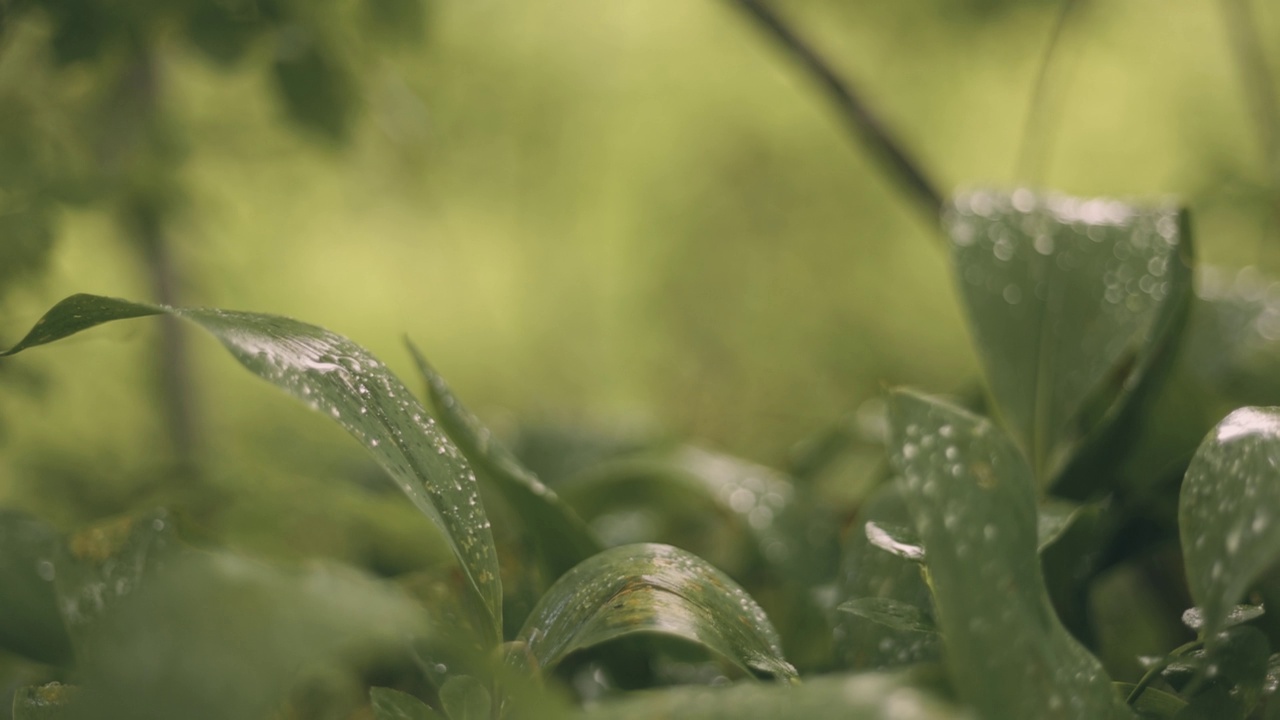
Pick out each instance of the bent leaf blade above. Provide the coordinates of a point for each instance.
(651, 588)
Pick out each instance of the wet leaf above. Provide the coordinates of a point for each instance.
(217, 637)
(391, 704)
(869, 572)
(651, 588)
(864, 696)
(973, 499)
(890, 613)
(1152, 703)
(465, 698)
(1238, 615)
(1229, 512)
(563, 538)
(29, 621)
(45, 702)
(335, 376)
(1070, 302)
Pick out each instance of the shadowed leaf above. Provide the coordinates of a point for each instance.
(391, 704)
(29, 620)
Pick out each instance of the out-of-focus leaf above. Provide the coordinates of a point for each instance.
(391, 704)
(217, 637)
(1238, 615)
(1152, 703)
(869, 572)
(335, 376)
(1072, 539)
(29, 621)
(865, 696)
(465, 698)
(651, 588)
(400, 20)
(1229, 512)
(106, 563)
(223, 29)
(316, 88)
(45, 702)
(1215, 703)
(973, 498)
(563, 538)
(890, 613)
(1070, 302)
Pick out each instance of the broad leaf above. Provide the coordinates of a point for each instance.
(1229, 512)
(563, 538)
(1070, 302)
(335, 376)
(866, 696)
(1153, 704)
(30, 624)
(216, 637)
(651, 588)
(391, 704)
(973, 500)
(890, 613)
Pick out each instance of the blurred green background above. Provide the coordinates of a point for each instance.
(634, 216)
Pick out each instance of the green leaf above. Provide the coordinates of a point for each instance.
(29, 621)
(1229, 512)
(563, 538)
(1070, 302)
(1152, 703)
(869, 572)
(651, 588)
(1238, 615)
(972, 496)
(864, 696)
(335, 376)
(217, 637)
(391, 704)
(315, 85)
(466, 698)
(890, 613)
(46, 702)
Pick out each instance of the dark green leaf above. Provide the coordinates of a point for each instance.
(46, 702)
(1070, 302)
(564, 539)
(866, 696)
(1215, 703)
(1153, 703)
(316, 87)
(890, 613)
(335, 376)
(29, 621)
(973, 499)
(216, 637)
(466, 698)
(1229, 512)
(391, 704)
(652, 588)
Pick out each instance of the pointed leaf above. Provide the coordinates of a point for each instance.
(651, 588)
(391, 704)
(865, 696)
(1070, 302)
(29, 619)
(890, 613)
(335, 376)
(972, 496)
(1229, 512)
(564, 539)
(1238, 615)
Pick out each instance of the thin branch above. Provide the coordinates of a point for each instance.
(1037, 134)
(868, 128)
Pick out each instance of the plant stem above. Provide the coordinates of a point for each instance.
(865, 125)
(1037, 134)
(1159, 667)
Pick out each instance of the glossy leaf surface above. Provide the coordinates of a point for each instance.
(1069, 301)
(650, 588)
(1229, 512)
(564, 539)
(391, 704)
(335, 376)
(973, 500)
(866, 696)
(29, 621)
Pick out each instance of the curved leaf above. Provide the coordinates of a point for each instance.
(1229, 512)
(564, 539)
(1070, 302)
(865, 696)
(391, 704)
(651, 588)
(890, 613)
(972, 497)
(335, 376)
(30, 624)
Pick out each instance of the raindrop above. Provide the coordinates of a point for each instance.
(1012, 294)
(45, 570)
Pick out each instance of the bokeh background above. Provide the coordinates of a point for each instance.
(616, 221)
